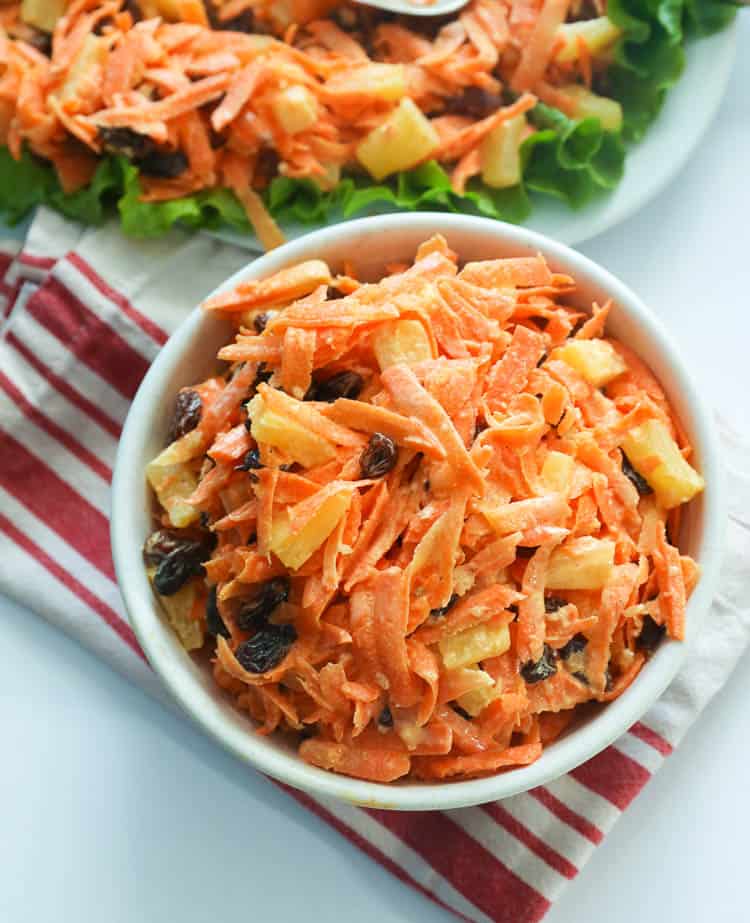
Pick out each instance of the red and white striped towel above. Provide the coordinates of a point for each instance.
(85, 313)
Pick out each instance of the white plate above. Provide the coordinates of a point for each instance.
(649, 166)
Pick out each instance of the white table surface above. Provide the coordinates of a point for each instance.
(115, 810)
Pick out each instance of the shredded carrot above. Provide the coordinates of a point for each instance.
(452, 556)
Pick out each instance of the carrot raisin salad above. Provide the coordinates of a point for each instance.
(420, 522)
(202, 95)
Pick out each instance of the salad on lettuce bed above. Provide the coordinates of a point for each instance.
(216, 113)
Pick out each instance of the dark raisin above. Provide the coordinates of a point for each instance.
(261, 320)
(333, 294)
(163, 164)
(379, 457)
(186, 414)
(262, 375)
(126, 142)
(639, 482)
(251, 461)
(462, 712)
(134, 8)
(525, 552)
(214, 622)
(553, 603)
(581, 677)
(179, 566)
(266, 167)
(443, 610)
(651, 634)
(266, 649)
(255, 611)
(343, 384)
(42, 41)
(576, 644)
(385, 718)
(474, 102)
(514, 610)
(159, 544)
(535, 672)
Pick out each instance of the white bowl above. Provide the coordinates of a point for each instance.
(189, 356)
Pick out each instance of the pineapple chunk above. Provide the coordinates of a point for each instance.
(290, 437)
(42, 14)
(293, 549)
(474, 644)
(478, 699)
(179, 611)
(402, 141)
(557, 471)
(173, 484)
(93, 52)
(294, 108)
(385, 82)
(655, 455)
(595, 360)
(582, 564)
(500, 154)
(401, 341)
(599, 34)
(589, 105)
(175, 10)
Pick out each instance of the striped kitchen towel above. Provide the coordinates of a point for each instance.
(82, 314)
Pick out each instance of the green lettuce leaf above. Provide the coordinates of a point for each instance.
(572, 160)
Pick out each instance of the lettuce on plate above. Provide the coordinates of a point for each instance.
(573, 160)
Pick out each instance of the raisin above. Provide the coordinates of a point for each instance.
(42, 41)
(651, 634)
(385, 718)
(461, 711)
(343, 384)
(553, 603)
(179, 566)
(639, 482)
(251, 461)
(159, 544)
(524, 552)
(266, 167)
(255, 611)
(474, 102)
(163, 164)
(443, 610)
(266, 649)
(186, 414)
(262, 375)
(214, 622)
(535, 672)
(134, 8)
(379, 457)
(581, 677)
(576, 644)
(260, 321)
(125, 141)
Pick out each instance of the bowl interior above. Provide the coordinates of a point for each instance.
(189, 357)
